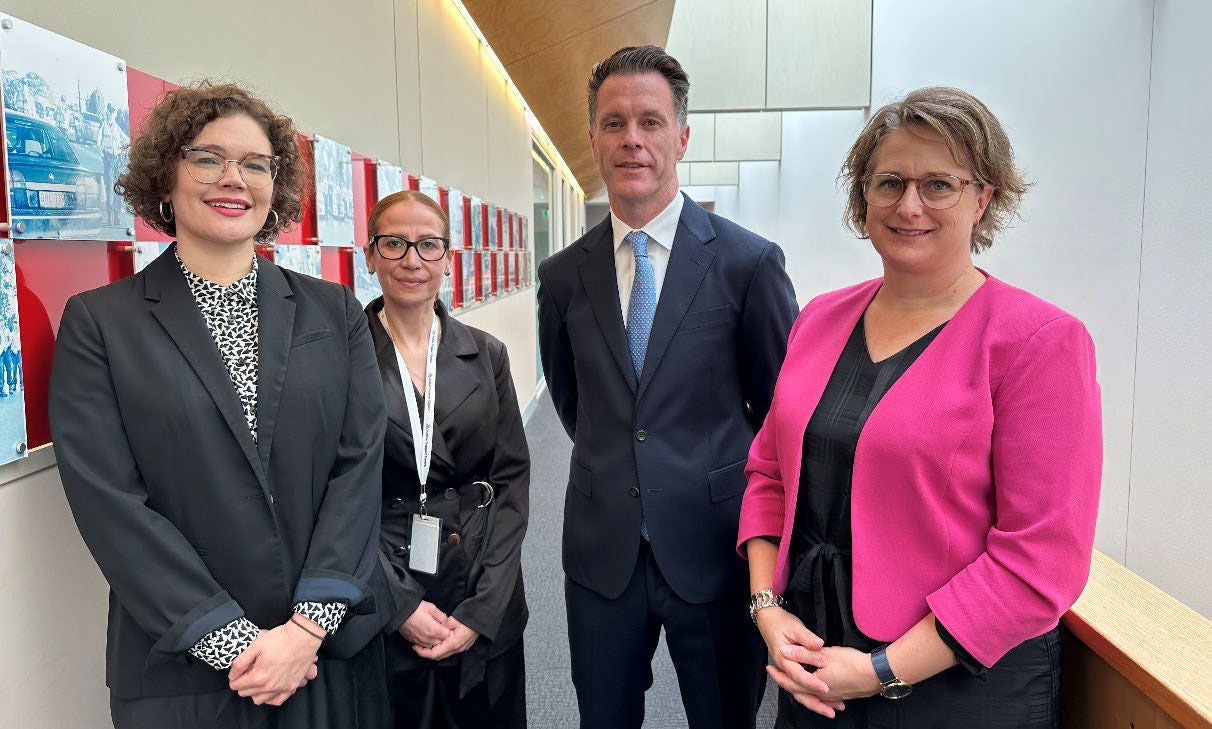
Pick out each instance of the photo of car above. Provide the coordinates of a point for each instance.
(66, 129)
(51, 191)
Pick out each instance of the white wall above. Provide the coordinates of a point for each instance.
(1085, 106)
(52, 673)
(1170, 506)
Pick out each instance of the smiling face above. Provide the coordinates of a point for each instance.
(227, 212)
(908, 235)
(409, 281)
(637, 143)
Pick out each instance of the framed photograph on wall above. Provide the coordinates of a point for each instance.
(66, 131)
(12, 380)
(301, 259)
(334, 193)
(146, 252)
(366, 284)
(431, 188)
(388, 179)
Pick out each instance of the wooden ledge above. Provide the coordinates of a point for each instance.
(1161, 646)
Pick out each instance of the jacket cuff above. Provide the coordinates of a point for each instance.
(214, 613)
(325, 586)
(965, 659)
(469, 618)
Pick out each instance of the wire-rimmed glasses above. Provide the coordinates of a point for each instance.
(936, 191)
(208, 166)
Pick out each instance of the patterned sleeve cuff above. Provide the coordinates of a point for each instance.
(220, 648)
(327, 615)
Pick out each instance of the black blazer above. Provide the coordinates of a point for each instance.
(192, 522)
(478, 436)
(677, 440)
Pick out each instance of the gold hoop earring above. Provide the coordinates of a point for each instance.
(275, 223)
(166, 218)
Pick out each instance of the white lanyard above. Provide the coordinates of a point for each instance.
(422, 434)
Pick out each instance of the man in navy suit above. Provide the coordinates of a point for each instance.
(662, 332)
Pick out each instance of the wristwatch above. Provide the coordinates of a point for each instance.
(763, 599)
(893, 687)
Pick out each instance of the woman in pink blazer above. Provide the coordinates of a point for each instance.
(922, 495)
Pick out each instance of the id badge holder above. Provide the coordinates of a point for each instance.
(423, 548)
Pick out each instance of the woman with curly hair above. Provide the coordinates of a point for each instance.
(922, 494)
(218, 423)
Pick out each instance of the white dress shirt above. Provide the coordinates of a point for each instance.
(660, 231)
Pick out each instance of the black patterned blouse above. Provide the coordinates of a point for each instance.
(231, 317)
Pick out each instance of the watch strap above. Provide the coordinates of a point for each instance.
(883, 671)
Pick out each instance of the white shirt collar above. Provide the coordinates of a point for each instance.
(660, 229)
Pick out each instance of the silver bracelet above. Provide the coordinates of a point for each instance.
(761, 600)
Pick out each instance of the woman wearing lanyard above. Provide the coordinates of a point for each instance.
(456, 479)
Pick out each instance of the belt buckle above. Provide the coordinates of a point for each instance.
(489, 493)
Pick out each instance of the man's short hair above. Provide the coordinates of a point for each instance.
(642, 59)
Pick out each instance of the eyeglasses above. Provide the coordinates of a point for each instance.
(393, 247)
(208, 167)
(936, 191)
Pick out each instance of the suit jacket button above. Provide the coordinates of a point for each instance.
(451, 494)
(397, 503)
(400, 550)
(633, 491)
(641, 435)
(453, 539)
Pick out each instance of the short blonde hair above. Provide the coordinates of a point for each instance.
(974, 137)
(396, 198)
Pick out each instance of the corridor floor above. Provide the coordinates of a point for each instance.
(550, 697)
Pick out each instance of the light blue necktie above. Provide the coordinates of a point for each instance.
(640, 311)
(642, 306)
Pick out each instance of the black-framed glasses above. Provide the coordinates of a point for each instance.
(936, 191)
(393, 247)
(208, 167)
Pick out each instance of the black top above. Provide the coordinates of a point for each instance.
(477, 436)
(820, 587)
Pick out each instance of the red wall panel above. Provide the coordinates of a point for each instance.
(365, 193)
(49, 272)
(144, 92)
(336, 263)
(304, 232)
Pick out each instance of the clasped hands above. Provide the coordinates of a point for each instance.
(278, 663)
(436, 635)
(839, 673)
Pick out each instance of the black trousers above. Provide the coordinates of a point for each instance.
(716, 651)
(427, 696)
(1021, 692)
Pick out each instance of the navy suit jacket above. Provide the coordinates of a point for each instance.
(673, 445)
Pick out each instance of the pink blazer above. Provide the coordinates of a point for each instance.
(976, 478)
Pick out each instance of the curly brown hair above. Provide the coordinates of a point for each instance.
(177, 121)
(974, 137)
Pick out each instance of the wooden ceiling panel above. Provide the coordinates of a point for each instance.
(521, 28)
(552, 75)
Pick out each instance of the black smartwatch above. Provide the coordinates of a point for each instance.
(893, 687)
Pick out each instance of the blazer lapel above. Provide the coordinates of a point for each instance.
(275, 329)
(602, 287)
(457, 379)
(177, 311)
(385, 353)
(689, 260)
